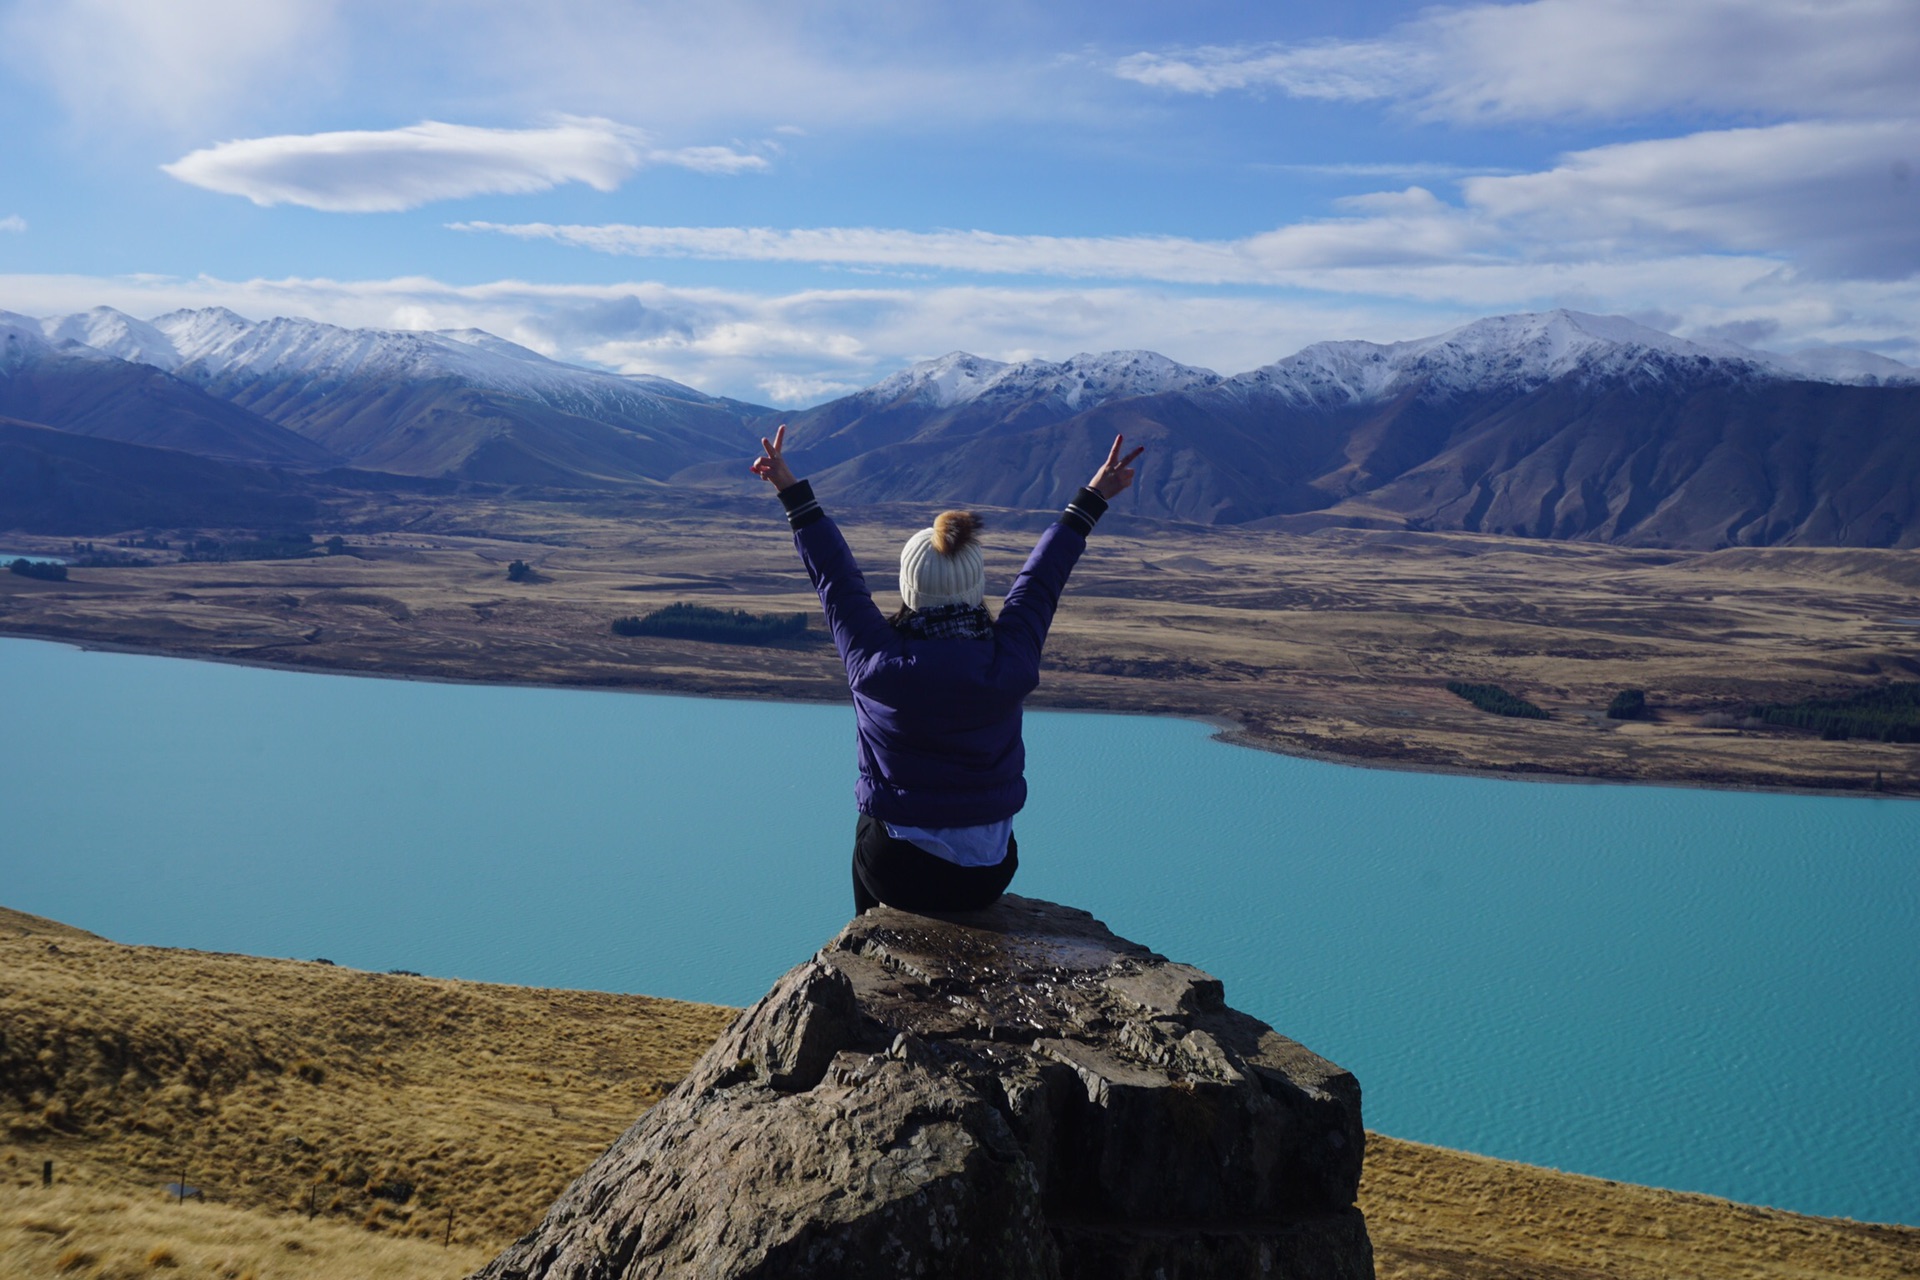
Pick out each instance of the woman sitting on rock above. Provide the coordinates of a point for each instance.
(937, 689)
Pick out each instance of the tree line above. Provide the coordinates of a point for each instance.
(1887, 714)
(1491, 697)
(45, 570)
(683, 621)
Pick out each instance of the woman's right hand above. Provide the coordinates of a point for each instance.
(1116, 473)
(770, 466)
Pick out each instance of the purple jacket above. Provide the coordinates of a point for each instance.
(938, 721)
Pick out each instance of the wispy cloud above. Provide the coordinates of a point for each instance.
(786, 389)
(1142, 257)
(1834, 199)
(115, 63)
(1596, 59)
(367, 171)
(1392, 228)
(216, 68)
(13, 222)
(1336, 71)
(1403, 171)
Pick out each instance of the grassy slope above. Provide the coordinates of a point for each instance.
(265, 1079)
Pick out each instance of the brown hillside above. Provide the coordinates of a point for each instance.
(383, 1102)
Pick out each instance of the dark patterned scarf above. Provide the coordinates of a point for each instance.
(949, 622)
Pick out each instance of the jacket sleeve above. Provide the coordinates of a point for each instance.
(859, 628)
(1035, 594)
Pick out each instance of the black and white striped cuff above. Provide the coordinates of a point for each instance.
(1084, 511)
(802, 507)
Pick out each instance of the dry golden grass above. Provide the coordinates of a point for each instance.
(1436, 1214)
(1337, 643)
(122, 1064)
(93, 1226)
(375, 1100)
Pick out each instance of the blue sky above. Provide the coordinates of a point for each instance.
(783, 201)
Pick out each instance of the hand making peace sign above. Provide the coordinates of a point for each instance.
(770, 466)
(1116, 473)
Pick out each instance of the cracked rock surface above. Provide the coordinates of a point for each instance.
(1015, 1092)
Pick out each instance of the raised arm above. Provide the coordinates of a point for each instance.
(1035, 594)
(857, 624)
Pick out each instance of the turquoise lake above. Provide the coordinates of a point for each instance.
(1712, 991)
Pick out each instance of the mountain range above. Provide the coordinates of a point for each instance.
(1556, 424)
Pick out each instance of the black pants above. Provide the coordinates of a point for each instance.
(902, 874)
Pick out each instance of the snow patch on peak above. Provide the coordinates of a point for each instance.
(1846, 365)
(1081, 381)
(20, 340)
(1514, 351)
(194, 333)
(117, 334)
(1086, 380)
(496, 345)
(954, 378)
(24, 339)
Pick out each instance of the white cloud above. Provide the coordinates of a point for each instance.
(1338, 71)
(788, 389)
(1398, 227)
(217, 68)
(709, 159)
(367, 171)
(1147, 257)
(1408, 170)
(1604, 59)
(1837, 199)
(13, 222)
(119, 62)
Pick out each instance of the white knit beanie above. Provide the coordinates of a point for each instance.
(943, 565)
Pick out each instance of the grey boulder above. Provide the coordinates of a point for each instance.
(1015, 1092)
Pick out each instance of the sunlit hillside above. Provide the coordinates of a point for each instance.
(335, 1124)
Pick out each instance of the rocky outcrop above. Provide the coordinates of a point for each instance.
(1011, 1093)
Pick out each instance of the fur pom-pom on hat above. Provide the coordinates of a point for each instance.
(944, 564)
(955, 530)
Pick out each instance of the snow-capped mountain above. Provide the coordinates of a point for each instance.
(22, 340)
(961, 396)
(1846, 366)
(461, 402)
(1558, 424)
(115, 333)
(214, 343)
(1079, 382)
(1527, 351)
(53, 378)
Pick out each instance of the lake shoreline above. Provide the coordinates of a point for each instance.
(1226, 729)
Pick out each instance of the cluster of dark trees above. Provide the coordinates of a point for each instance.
(1628, 704)
(1491, 697)
(45, 570)
(520, 571)
(682, 621)
(1887, 714)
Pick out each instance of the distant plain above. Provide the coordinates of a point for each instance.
(1335, 642)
